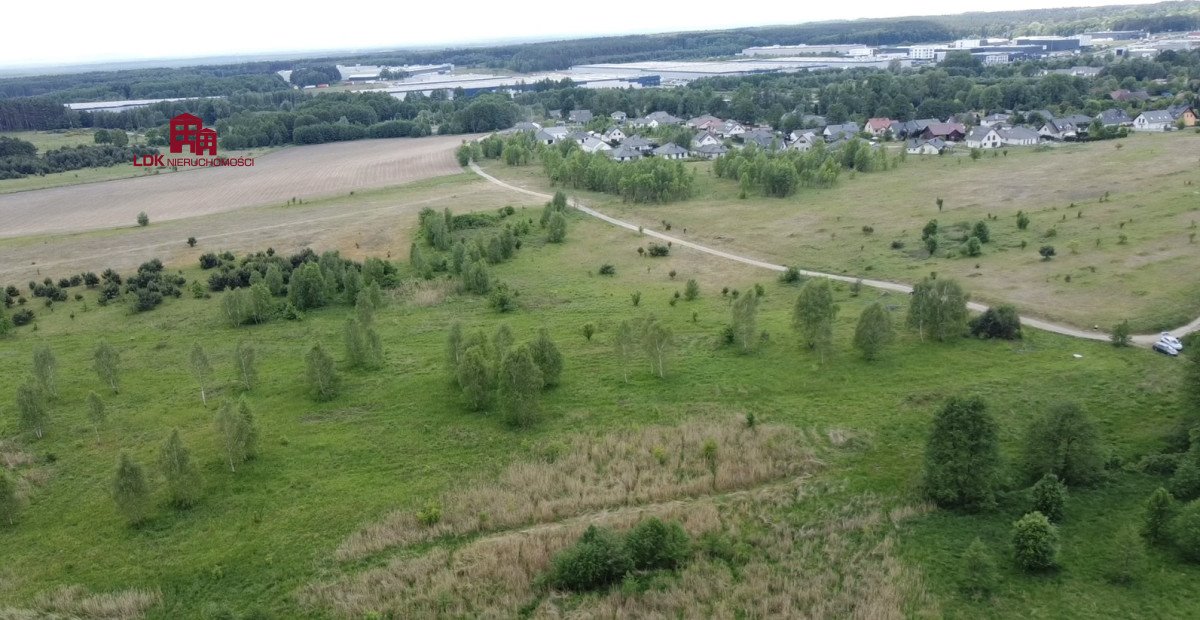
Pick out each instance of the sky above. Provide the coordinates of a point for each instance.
(86, 31)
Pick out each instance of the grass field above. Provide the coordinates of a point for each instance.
(1095, 279)
(845, 519)
(307, 172)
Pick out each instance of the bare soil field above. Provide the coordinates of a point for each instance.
(370, 223)
(305, 172)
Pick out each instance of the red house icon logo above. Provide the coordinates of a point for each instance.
(188, 131)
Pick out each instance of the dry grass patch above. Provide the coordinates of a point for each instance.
(427, 293)
(585, 475)
(75, 602)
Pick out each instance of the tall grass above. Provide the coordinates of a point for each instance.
(75, 602)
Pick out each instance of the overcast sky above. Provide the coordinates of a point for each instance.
(78, 31)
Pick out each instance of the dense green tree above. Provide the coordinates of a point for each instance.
(1126, 559)
(962, 456)
(1190, 392)
(321, 373)
(874, 331)
(184, 484)
(519, 387)
(655, 545)
(1185, 531)
(980, 231)
(556, 228)
(1156, 522)
(307, 287)
(599, 559)
(364, 348)
(32, 407)
(45, 370)
(1001, 322)
(107, 362)
(131, 492)
(474, 376)
(813, 316)
(547, 357)
(1063, 442)
(476, 279)
(691, 290)
(938, 309)
(1050, 497)
(1035, 543)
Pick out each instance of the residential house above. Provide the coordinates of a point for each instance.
(1183, 113)
(554, 114)
(579, 136)
(663, 118)
(638, 144)
(614, 135)
(1115, 117)
(1018, 136)
(706, 122)
(802, 145)
(594, 145)
(912, 129)
(705, 139)
(763, 138)
(1128, 95)
(731, 129)
(1154, 120)
(1058, 129)
(1080, 121)
(618, 116)
(879, 126)
(526, 126)
(802, 134)
(671, 150)
(551, 135)
(710, 151)
(813, 121)
(950, 132)
(834, 132)
(991, 120)
(580, 116)
(983, 138)
(918, 146)
(624, 153)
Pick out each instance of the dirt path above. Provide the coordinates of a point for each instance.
(1057, 328)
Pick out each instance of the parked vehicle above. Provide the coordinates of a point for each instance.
(1163, 347)
(1171, 341)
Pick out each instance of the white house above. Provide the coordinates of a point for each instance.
(1156, 120)
(1018, 136)
(705, 122)
(594, 145)
(983, 138)
(730, 129)
(918, 146)
(707, 139)
(614, 134)
(618, 116)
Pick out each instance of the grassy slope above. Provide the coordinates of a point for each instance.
(1150, 280)
(399, 436)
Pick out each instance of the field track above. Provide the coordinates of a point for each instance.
(302, 172)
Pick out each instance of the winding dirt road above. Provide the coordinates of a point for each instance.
(1057, 328)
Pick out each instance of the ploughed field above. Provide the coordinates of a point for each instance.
(296, 172)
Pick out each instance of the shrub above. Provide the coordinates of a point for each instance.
(867, 230)
(1157, 520)
(191, 241)
(22, 317)
(691, 290)
(655, 545)
(1185, 531)
(430, 515)
(1001, 322)
(599, 559)
(980, 231)
(1050, 497)
(636, 298)
(1022, 220)
(1035, 543)
(977, 577)
(607, 270)
(1185, 484)
(790, 276)
(974, 247)
(502, 298)
(588, 331)
(143, 219)
(657, 250)
(1121, 334)
(897, 244)
(1047, 252)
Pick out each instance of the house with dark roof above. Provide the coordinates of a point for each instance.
(998, 118)
(1114, 117)
(710, 151)
(763, 138)
(580, 116)
(1128, 95)
(912, 129)
(1018, 136)
(836, 132)
(705, 122)
(1185, 113)
(671, 150)
(918, 146)
(623, 153)
(1154, 120)
(663, 118)
(639, 144)
(1058, 129)
(950, 132)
